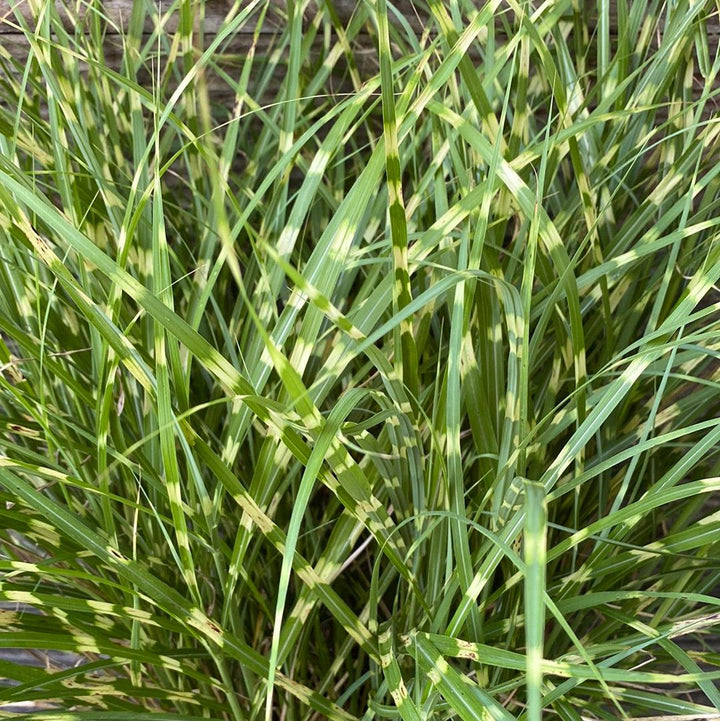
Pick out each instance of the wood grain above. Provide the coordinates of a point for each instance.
(116, 14)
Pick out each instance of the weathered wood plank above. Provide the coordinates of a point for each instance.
(116, 15)
(231, 61)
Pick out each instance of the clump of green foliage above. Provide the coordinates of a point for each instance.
(360, 360)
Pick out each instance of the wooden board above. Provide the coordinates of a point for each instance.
(116, 16)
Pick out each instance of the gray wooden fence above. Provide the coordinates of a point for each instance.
(116, 16)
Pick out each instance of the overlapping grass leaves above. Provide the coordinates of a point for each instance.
(360, 362)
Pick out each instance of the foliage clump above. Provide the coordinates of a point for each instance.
(359, 360)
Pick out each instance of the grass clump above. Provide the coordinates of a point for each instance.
(360, 360)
